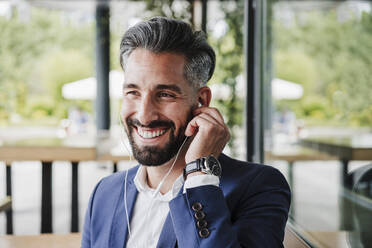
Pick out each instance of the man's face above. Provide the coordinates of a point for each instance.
(157, 105)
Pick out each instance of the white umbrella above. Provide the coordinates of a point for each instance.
(282, 89)
(87, 88)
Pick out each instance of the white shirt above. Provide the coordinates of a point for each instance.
(147, 221)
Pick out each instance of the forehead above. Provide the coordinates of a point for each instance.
(143, 65)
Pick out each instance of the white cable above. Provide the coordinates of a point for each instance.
(126, 175)
(157, 190)
(170, 169)
(125, 202)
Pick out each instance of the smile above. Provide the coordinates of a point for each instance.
(150, 134)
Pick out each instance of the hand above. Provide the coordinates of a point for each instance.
(210, 134)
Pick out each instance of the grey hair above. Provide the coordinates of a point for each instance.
(161, 34)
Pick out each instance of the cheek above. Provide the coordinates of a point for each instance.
(127, 108)
(180, 115)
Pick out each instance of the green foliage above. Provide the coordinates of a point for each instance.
(169, 8)
(229, 56)
(38, 55)
(331, 58)
(115, 39)
(296, 66)
(63, 67)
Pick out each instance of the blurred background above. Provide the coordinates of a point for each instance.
(302, 67)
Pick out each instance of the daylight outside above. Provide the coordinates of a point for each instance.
(315, 107)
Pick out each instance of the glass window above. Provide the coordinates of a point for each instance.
(318, 120)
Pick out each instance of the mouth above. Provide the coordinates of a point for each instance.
(150, 133)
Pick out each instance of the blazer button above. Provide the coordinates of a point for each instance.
(203, 233)
(199, 215)
(197, 206)
(201, 224)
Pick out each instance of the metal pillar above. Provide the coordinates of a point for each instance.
(254, 133)
(46, 198)
(103, 65)
(9, 212)
(75, 197)
(204, 16)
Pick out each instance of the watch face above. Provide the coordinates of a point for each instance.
(214, 166)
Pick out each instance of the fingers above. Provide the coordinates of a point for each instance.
(210, 120)
(210, 134)
(213, 112)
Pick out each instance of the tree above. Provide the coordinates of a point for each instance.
(229, 51)
(170, 8)
(27, 50)
(339, 49)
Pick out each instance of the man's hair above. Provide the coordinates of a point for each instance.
(161, 34)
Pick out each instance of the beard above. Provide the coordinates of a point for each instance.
(155, 155)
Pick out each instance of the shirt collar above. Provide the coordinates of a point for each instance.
(140, 181)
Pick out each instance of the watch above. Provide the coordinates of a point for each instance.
(209, 165)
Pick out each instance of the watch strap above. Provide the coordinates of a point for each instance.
(193, 166)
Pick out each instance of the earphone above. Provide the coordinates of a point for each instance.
(157, 190)
(200, 104)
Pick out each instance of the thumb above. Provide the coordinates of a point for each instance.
(191, 129)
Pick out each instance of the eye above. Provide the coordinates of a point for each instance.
(166, 95)
(132, 92)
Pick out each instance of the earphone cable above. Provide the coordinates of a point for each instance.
(157, 190)
(126, 175)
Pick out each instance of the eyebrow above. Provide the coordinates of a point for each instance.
(130, 86)
(172, 87)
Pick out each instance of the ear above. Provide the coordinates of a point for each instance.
(204, 96)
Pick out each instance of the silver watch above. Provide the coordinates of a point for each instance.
(209, 165)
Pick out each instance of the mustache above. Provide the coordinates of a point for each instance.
(152, 124)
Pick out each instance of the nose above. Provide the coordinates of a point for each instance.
(147, 110)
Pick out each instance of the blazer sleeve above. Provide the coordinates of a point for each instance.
(257, 219)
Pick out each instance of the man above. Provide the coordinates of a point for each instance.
(180, 195)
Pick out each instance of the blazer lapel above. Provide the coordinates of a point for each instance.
(119, 228)
(167, 235)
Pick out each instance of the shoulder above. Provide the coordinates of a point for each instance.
(245, 174)
(234, 168)
(112, 185)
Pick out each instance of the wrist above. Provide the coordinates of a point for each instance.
(205, 165)
(196, 173)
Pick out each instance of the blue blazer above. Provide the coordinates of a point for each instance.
(249, 209)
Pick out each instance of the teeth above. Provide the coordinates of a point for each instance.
(149, 134)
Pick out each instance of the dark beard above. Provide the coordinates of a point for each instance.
(153, 155)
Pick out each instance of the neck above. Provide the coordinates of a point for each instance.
(155, 174)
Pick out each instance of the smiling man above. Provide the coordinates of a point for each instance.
(184, 192)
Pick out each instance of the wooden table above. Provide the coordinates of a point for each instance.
(322, 239)
(74, 149)
(292, 154)
(291, 240)
(345, 149)
(41, 241)
(339, 239)
(358, 147)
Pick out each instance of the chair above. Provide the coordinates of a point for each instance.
(5, 204)
(360, 181)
